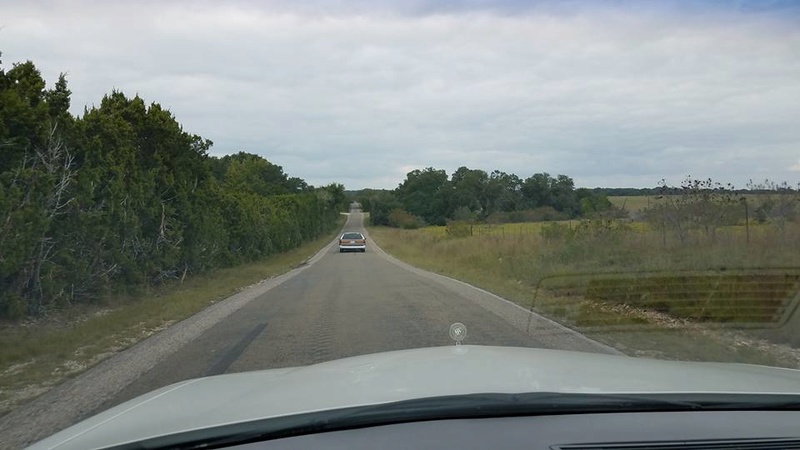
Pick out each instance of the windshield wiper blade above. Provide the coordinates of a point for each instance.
(500, 405)
(469, 406)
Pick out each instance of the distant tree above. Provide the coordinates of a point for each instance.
(504, 192)
(562, 189)
(296, 185)
(364, 197)
(469, 190)
(427, 194)
(536, 190)
(338, 200)
(497, 196)
(379, 204)
(543, 190)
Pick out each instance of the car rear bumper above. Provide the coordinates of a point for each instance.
(352, 248)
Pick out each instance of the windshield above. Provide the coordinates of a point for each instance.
(597, 178)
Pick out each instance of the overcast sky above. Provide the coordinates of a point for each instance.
(614, 94)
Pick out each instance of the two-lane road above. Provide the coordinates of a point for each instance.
(345, 304)
(342, 304)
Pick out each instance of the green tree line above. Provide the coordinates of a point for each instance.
(430, 196)
(122, 197)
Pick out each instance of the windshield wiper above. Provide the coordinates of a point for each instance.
(470, 406)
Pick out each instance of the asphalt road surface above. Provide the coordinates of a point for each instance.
(340, 305)
(346, 304)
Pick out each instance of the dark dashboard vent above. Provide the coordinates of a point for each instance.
(745, 444)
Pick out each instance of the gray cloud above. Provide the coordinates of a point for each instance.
(360, 93)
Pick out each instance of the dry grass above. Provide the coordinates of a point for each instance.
(638, 203)
(518, 262)
(634, 203)
(37, 355)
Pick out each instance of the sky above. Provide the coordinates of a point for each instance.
(613, 94)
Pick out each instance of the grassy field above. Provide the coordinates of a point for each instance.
(634, 203)
(637, 203)
(550, 268)
(34, 356)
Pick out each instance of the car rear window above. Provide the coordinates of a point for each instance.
(352, 236)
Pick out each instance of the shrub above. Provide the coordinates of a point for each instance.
(541, 214)
(399, 218)
(557, 231)
(458, 228)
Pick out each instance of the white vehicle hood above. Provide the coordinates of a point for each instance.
(405, 375)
